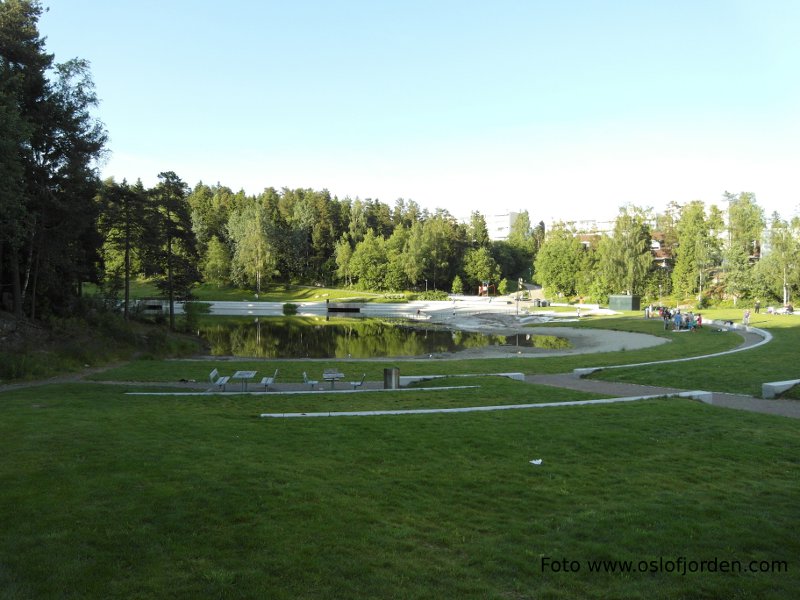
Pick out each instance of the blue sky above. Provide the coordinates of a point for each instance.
(565, 109)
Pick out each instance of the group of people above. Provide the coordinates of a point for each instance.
(679, 321)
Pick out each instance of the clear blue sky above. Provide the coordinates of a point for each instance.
(565, 109)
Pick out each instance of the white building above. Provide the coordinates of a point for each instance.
(499, 226)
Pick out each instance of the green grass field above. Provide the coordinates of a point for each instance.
(114, 496)
(108, 495)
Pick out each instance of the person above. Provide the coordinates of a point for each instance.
(746, 319)
(757, 306)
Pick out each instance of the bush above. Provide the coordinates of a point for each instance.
(433, 295)
(289, 309)
(458, 285)
(192, 312)
(502, 287)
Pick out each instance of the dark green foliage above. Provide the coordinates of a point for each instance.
(51, 141)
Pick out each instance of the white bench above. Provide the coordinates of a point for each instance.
(773, 388)
(358, 384)
(268, 381)
(310, 382)
(217, 380)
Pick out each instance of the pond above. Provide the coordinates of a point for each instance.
(296, 337)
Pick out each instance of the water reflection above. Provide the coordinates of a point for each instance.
(295, 337)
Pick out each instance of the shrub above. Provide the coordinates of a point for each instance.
(458, 285)
(433, 295)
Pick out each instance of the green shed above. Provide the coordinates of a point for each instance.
(624, 302)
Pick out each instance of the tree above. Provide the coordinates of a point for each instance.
(479, 266)
(745, 223)
(626, 258)
(175, 251)
(558, 260)
(697, 250)
(122, 224)
(254, 257)
(369, 262)
(780, 268)
(521, 234)
(12, 208)
(52, 244)
(344, 255)
(477, 232)
(745, 229)
(395, 269)
(458, 285)
(217, 264)
(415, 254)
(439, 243)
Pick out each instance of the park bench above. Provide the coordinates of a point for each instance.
(310, 382)
(358, 384)
(217, 380)
(268, 381)
(773, 388)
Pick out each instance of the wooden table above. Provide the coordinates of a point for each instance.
(245, 376)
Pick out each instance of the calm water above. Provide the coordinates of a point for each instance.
(284, 337)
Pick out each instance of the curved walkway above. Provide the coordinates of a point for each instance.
(570, 381)
(753, 338)
(618, 391)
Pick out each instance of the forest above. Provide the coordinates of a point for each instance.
(61, 226)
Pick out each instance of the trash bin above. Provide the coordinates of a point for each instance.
(391, 378)
(545, 303)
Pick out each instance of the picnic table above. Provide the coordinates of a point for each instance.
(245, 376)
(332, 375)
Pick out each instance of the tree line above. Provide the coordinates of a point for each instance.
(303, 236)
(689, 252)
(61, 226)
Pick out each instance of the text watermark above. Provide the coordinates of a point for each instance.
(678, 566)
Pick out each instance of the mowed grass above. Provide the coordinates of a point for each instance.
(741, 372)
(113, 496)
(459, 392)
(107, 495)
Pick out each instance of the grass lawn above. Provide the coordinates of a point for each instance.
(114, 496)
(107, 495)
(736, 373)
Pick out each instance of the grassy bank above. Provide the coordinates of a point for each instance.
(114, 496)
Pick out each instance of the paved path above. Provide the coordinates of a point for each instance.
(784, 408)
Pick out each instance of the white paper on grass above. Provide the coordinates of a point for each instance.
(536, 461)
